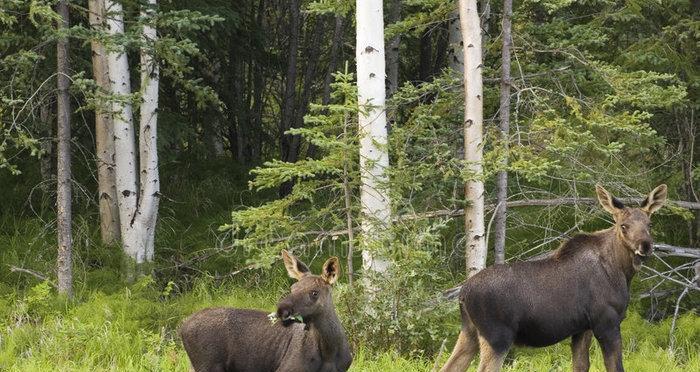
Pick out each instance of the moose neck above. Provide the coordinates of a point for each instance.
(621, 257)
(328, 331)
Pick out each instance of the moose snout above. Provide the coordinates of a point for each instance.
(285, 309)
(645, 248)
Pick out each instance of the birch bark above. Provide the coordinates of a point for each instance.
(374, 157)
(124, 138)
(138, 194)
(473, 137)
(149, 196)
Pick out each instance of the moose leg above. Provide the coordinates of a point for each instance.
(466, 346)
(580, 346)
(490, 360)
(464, 351)
(611, 343)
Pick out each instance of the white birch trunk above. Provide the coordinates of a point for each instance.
(374, 157)
(456, 51)
(124, 141)
(473, 137)
(150, 182)
(138, 206)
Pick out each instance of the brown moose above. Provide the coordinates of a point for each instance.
(580, 291)
(227, 340)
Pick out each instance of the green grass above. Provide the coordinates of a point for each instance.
(133, 329)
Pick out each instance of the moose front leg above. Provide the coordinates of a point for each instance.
(611, 342)
(580, 346)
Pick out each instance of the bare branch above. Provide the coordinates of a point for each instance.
(33, 273)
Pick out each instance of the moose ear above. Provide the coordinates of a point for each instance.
(607, 201)
(331, 270)
(655, 200)
(295, 268)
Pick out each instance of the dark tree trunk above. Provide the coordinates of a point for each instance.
(63, 198)
(502, 179)
(442, 47)
(392, 50)
(255, 134)
(288, 102)
(47, 146)
(310, 75)
(338, 33)
(334, 54)
(425, 64)
(688, 133)
(240, 109)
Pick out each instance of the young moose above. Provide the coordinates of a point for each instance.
(581, 291)
(227, 340)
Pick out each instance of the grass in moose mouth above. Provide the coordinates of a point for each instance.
(274, 318)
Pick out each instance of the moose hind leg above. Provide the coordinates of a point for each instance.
(611, 344)
(463, 352)
(490, 359)
(580, 346)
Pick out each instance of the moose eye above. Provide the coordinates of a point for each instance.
(623, 227)
(314, 294)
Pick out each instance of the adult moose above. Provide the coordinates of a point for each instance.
(227, 340)
(582, 290)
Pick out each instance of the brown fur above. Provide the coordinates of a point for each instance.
(241, 340)
(580, 291)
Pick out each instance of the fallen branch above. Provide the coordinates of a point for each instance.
(672, 338)
(671, 250)
(657, 294)
(33, 273)
(689, 285)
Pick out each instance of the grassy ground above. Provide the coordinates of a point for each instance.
(134, 330)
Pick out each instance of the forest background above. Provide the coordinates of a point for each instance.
(258, 150)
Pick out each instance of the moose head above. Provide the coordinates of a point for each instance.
(311, 295)
(633, 225)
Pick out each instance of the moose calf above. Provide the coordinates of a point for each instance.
(581, 291)
(227, 340)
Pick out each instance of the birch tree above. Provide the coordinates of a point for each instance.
(473, 137)
(374, 157)
(63, 196)
(138, 206)
(504, 113)
(456, 51)
(149, 197)
(104, 134)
